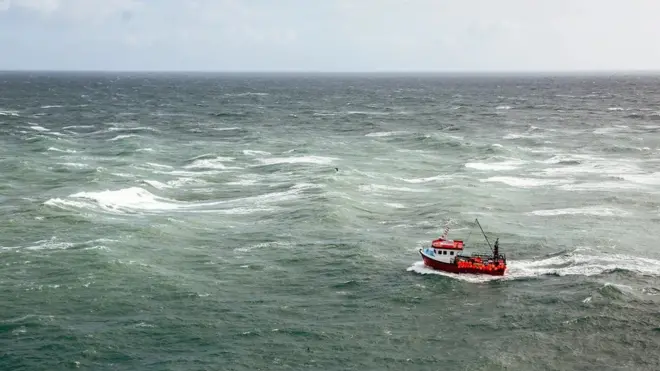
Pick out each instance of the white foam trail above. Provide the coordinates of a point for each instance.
(385, 133)
(245, 94)
(557, 159)
(379, 113)
(427, 180)
(603, 186)
(243, 182)
(589, 210)
(52, 106)
(214, 163)
(74, 164)
(136, 200)
(53, 244)
(612, 129)
(9, 113)
(526, 182)
(420, 268)
(595, 165)
(521, 136)
(495, 166)
(395, 205)
(378, 187)
(38, 128)
(320, 160)
(123, 136)
(123, 200)
(571, 264)
(503, 107)
(62, 150)
(615, 109)
(227, 129)
(156, 184)
(173, 183)
(130, 128)
(647, 179)
(250, 152)
(160, 166)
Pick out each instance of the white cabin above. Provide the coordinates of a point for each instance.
(444, 255)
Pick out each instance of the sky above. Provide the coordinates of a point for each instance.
(330, 35)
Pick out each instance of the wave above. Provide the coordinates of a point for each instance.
(38, 128)
(9, 113)
(217, 163)
(138, 200)
(123, 136)
(495, 166)
(54, 244)
(385, 133)
(646, 179)
(320, 160)
(595, 165)
(607, 186)
(252, 152)
(589, 210)
(526, 182)
(54, 149)
(429, 179)
(370, 188)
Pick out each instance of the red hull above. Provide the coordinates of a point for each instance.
(453, 268)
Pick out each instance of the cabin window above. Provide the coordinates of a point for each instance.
(444, 252)
(451, 253)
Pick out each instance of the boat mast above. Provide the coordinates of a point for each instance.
(484, 233)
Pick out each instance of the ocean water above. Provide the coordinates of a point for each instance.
(197, 222)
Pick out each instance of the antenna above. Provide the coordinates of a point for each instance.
(484, 233)
(446, 231)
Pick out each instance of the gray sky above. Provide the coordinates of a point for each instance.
(330, 35)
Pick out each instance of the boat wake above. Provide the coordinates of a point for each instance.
(575, 263)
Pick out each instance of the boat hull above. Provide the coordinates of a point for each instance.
(453, 268)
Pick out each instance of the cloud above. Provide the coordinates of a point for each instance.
(75, 10)
(333, 34)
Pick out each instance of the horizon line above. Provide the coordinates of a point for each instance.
(348, 72)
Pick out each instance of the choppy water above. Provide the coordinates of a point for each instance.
(156, 222)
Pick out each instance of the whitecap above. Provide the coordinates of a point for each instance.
(54, 149)
(588, 210)
(213, 163)
(526, 182)
(38, 128)
(385, 133)
(9, 113)
(379, 187)
(320, 160)
(251, 152)
(495, 166)
(428, 179)
(123, 136)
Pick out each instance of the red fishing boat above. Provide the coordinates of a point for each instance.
(446, 255)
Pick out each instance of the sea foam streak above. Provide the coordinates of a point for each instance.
(590, 210)
(139, 200)
(213, 163)
(526, 182)
(495, 166)
(296, 160)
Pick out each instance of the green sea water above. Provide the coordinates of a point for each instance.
(273, 222)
